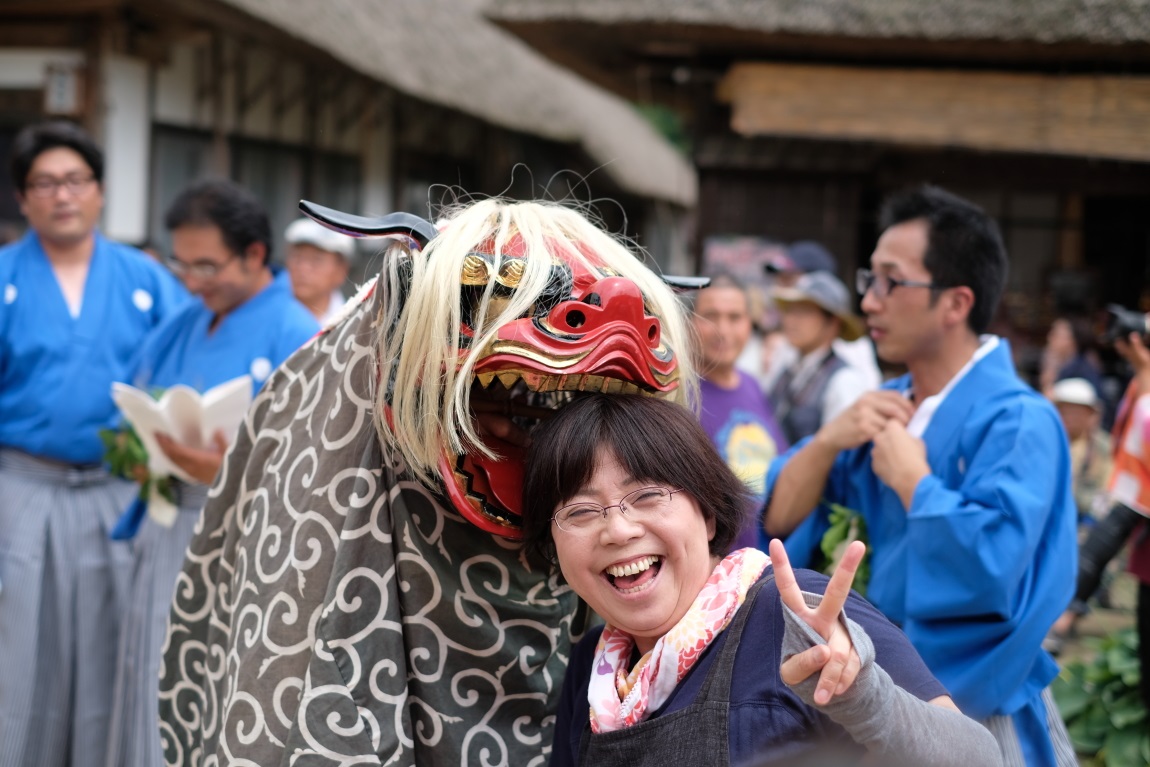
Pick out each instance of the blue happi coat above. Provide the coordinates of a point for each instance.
(56, 370)
(984, 561)
(252, 339)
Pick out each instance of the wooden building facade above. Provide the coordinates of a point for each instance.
(804, 116)
(366, 106)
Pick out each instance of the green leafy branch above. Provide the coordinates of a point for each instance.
(1101, 705)
(846, 525)
(127, 458)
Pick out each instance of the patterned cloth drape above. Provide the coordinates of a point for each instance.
(332, 611)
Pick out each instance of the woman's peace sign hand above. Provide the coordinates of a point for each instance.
(836, 662)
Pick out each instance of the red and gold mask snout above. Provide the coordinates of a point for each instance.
(604, 341)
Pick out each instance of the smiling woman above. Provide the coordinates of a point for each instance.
(706, 658)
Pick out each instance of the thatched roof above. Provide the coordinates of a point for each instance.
(445, 52)
(1106, 22)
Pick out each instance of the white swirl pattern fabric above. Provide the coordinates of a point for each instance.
(332, 611)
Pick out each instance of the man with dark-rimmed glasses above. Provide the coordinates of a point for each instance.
(960, 470)
(74, 309)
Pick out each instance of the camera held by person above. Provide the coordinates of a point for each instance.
(1121, 322)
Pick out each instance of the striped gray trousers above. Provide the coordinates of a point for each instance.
(135, 736)
(63, 589)
(1002, 728)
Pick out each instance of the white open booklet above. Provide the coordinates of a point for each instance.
(187, 416)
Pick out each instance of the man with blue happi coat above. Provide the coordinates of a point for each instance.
(74, 309)
(960, 471)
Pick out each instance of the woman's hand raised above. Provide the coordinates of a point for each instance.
(836, 662)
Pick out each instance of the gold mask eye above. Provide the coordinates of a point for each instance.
(511, 272)
(476, 270)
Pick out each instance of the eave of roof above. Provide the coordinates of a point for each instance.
(1108, 22)
(445, 52)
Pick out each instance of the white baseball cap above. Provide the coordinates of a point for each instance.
(306, 231)
(1076, 391)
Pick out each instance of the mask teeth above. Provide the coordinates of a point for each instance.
(542, 383)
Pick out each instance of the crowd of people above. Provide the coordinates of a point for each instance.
(87, 591)
(439, 482)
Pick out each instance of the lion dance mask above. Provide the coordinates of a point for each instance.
(355, 593)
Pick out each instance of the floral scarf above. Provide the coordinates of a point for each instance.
(620, 699)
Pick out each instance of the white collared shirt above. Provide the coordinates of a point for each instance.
(926, 409)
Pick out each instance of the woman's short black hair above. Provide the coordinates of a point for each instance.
(38, 138)
(654, 440)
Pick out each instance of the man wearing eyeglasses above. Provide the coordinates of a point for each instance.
(961, 472)
(243, 321)
(74, 309)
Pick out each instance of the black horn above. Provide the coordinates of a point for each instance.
(686, 283)
(379, 226)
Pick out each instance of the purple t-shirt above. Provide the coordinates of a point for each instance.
(743, 429)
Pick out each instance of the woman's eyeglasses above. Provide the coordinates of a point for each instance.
(883, 284)
(646, 502)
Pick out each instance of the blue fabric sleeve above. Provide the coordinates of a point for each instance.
(7, 266)
(300, 329)
(971, 549)
(129, 522)
(991, 558)
(802, 544)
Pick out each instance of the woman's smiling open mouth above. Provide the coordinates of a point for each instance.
(634, 576)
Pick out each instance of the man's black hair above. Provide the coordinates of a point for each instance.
(38, 138)
(226, 205)
(964, 246)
